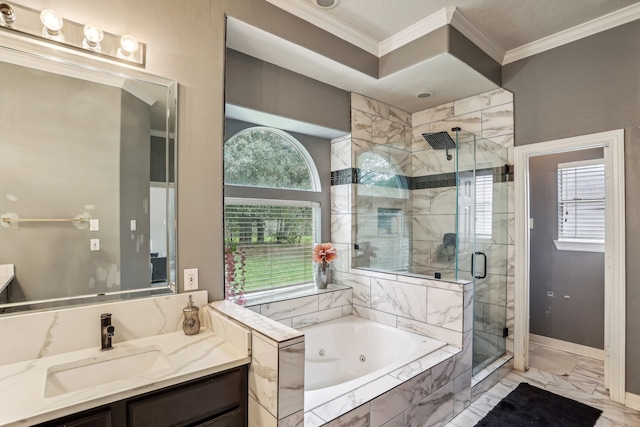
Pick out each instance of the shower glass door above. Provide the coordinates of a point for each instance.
(482, 230)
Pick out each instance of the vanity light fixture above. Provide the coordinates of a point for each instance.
(7, 16)
(53, 24)
(89, 39)
(92, 38)
(128, 45)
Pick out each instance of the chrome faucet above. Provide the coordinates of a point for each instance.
(106, 331)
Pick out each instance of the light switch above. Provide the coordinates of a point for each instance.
(94, 224)
(95, 244)
(134, 225)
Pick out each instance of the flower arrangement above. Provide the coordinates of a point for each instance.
(235, 261)
(324, 253)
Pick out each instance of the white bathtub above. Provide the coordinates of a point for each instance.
(346, 353)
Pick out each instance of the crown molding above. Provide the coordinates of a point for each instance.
(606, 22)
(324, 21)
(417, 30)
(478, 37)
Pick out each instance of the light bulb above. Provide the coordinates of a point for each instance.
(92, 37)
(52, 22)
(6, 14)
(128, 44)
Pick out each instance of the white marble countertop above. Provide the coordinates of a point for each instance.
(22, 385)
(7, 273)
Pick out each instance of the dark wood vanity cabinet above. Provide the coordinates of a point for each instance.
(218, 400)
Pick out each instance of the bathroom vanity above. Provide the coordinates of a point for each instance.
(218, 400)
(154, 375)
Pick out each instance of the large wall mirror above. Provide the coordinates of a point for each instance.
(87, 188)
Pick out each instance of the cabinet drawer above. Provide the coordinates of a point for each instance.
(190, 404)
(97, 419)
(232, 419)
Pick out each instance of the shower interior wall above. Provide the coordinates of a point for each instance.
(431, 212)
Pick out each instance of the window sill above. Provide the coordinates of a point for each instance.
(284, 294)
(579, 246)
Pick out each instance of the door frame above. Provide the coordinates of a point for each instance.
(612, 143)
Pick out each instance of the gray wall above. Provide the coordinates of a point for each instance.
(591, 85)
(264, 87)
(46, 157)
(135, 159)
(579, 275)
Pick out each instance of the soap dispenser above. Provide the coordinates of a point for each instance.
(191, 324)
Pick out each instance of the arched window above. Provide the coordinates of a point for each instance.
(271, 229)
(268, 158)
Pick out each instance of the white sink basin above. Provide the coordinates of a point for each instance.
(116, 364)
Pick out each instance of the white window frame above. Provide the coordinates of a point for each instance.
(579, 244)
(277, 196)
(615, 272)
(484, 198)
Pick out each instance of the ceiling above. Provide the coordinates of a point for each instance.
(505, 30)
(510, 24)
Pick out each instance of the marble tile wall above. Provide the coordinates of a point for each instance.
(437, 309)
(75, 328)
(442, 310)
(489, 115)
(396, 300)
(298, 311)
(276, 373)
(383, 131)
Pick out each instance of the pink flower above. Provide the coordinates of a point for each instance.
(324, 253)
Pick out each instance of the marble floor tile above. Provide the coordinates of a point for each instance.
(468, 418)
(584, 384)
(590, 368)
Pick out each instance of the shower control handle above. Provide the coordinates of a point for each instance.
(484, 274)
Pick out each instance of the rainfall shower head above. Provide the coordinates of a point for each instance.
(440, 141)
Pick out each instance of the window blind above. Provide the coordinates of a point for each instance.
(581, 201)
(484, 206)
(277, 238)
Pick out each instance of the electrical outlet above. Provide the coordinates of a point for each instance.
(95, 244)
(190, 279)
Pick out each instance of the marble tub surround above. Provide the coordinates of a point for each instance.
(429, 391)
(70, 329)
(187, 357)
(434, 308)
(276, 373)
(304, 306)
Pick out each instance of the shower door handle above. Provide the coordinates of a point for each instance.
(484, 274)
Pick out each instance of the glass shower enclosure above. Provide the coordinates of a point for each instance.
(439, 209)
